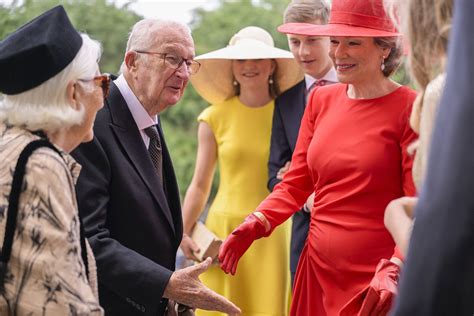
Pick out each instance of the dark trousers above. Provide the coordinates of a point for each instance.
(299, 233)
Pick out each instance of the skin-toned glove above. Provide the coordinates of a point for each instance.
(237, 243)
(376, 299)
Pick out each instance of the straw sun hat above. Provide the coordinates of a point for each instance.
(364, 18)
(214, 79)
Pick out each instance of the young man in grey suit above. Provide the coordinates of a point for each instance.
(127, 189)
(311, 52)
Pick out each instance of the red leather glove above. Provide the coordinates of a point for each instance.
(376, 299)
(237, 243)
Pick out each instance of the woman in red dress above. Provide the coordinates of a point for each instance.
(351, 152)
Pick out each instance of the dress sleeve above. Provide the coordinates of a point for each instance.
(408, 136)
(207, 116)
(290, 194)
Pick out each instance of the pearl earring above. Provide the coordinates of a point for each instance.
(235, 83)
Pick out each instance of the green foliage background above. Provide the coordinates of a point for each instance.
(110, 24)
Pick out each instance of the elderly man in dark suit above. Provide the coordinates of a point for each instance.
(438, 278)
(127, 190)
(311, 52)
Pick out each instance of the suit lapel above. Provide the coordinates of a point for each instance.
(292, 113)
(128, 136)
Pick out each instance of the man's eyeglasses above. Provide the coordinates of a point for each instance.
(102, 81)
(174, 61)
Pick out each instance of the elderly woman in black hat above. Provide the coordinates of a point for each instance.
(52, 91)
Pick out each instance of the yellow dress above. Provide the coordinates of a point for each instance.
(261, 285)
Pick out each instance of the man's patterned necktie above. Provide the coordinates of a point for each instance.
(317, 83)
(155, 150)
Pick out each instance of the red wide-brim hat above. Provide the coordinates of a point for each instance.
(355, 18)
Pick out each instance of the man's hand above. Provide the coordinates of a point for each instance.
(283, 170)
(184, 287)
(189, 247)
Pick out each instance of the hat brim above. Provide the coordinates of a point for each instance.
(214, 80)
(249, 50)
(333, 30)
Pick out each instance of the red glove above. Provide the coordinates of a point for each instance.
(237, 243)
(376, 299)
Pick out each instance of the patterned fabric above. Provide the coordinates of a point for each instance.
(46, 274)
(154, 149)
(317, 83)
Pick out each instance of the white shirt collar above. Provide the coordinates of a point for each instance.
(140, 115)
(331, 75)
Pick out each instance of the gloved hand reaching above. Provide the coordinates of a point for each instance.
(236, 244)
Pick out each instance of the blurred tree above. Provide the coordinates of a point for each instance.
(102, 20)
(109, 23)
(213, 30)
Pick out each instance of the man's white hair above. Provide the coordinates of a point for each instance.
(145, 32)
(46, 106)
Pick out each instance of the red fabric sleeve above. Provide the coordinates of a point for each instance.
(408, 136)
(291, 193)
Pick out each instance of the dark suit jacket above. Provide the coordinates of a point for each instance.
(133, 227)
(289, 109)
(438, 276)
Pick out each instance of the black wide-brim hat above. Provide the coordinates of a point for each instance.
(37, 51)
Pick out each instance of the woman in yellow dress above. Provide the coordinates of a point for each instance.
(241, 82)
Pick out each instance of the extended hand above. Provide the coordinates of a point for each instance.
(184, 287)
(237, 243)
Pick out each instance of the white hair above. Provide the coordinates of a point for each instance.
(46, 107)
(145, 33)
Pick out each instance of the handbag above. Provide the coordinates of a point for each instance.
(207, 242)
(12, 212)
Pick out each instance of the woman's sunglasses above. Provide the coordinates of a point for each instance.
(102, 81)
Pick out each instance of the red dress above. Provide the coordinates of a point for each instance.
(352, 154)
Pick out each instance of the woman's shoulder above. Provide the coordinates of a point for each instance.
(14, 140)
(405, 92)
(331, 89)
(217, 109)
